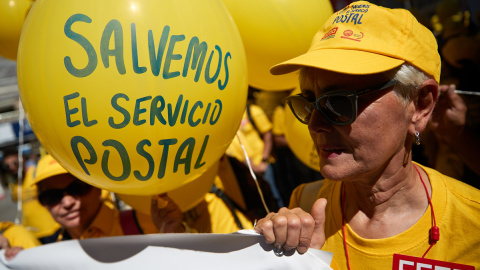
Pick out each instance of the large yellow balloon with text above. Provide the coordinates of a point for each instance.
(274, 31)
(299, 140)
(136, 97)
(12, 17)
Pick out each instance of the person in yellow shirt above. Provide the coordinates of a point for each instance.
(82, 212)
(256, 137)
(370, 84)
(255, 134)
(10, 168)
(35, 216)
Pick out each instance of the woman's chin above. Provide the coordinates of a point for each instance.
(334, 172)
(70, 223)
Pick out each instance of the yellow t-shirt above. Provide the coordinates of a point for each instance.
(457, 211)
(249, 136)
(278, 120)
(18, 236)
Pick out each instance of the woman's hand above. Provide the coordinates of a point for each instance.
(166, 215)
(4, 244)
(295, 228)
(11, 252)
(260, 168)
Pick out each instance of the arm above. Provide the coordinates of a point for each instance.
(267, 151)
(268, 144)
(280, 141)
(448, 124)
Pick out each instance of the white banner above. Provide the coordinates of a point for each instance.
(243, 250)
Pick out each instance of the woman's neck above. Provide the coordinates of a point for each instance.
(388, 206)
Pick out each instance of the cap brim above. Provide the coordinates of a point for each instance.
(56, 170)
(339, 60)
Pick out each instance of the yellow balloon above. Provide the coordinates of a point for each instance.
(12, 17)
(186, 196)
(274, 31)
(136, 97)
(299, 140)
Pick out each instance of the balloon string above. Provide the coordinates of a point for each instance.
(21, 118)
(253, 174)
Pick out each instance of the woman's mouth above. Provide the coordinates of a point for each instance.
(331, 151)
(71, 215)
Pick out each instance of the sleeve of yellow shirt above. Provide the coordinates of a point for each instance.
(18, 236)
(278, 120)
(260, 118)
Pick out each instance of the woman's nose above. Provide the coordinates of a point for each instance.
(318, 123)
(67, 200)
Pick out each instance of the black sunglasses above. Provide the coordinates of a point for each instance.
(54, 196)
(339, 107)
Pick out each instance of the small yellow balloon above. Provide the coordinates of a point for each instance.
(274, 31)
(136, 97)
(186, 196)
(299, 140)
(12, 17)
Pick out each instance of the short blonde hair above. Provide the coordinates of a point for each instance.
(409, 80)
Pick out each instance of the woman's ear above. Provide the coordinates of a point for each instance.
(424, 104)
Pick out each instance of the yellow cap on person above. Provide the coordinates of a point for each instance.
(47, 167)
(364, 38)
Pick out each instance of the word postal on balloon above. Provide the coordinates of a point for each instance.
(147, 110)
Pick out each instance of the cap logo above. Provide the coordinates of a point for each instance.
(351, 14)
(349, 34)
(330, 34)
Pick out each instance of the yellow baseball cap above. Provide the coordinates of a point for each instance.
(46, 168)
(364, 38)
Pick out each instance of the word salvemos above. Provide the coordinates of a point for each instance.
(147, 110)
(196, 53)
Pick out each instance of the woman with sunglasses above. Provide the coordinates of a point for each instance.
(83, 213)
(369, 85)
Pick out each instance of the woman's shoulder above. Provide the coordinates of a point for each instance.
(455, 187)
(306, 194)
